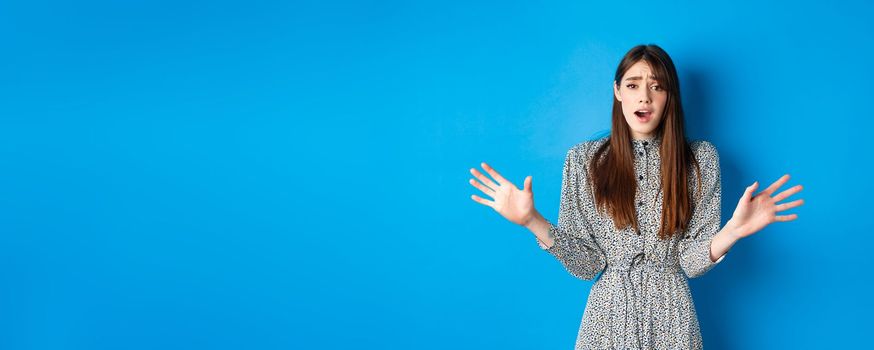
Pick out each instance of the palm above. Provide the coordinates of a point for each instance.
(753, 213)
(514, 204)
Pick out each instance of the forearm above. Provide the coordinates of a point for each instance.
(574, 247)
(723, 241)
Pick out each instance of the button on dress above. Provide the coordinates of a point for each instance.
(641, 297)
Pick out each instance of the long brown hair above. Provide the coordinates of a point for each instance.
(613, 178)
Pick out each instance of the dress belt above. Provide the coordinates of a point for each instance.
(638, 264)
(645, 266)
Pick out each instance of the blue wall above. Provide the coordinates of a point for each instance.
(283, 175)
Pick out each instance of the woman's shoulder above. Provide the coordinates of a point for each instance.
(704, 150)
(585, 149)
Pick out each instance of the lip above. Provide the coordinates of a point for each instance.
(643, 115)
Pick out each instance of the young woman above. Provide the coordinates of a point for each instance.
(642, 205)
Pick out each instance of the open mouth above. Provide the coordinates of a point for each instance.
(643, 115)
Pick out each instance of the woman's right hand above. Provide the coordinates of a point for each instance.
(514, 204)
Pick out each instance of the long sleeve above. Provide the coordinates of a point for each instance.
(695, 244)
(574, 244)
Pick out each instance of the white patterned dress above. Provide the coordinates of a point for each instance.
(641, 299)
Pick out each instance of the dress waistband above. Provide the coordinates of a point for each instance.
(645, 266)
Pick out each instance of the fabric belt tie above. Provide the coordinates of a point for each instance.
(638, 265)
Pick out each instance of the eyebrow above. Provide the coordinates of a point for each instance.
(637, 77)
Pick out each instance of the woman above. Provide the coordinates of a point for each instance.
(642, 205)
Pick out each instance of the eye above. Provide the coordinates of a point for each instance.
(657, 87)
(630, 86)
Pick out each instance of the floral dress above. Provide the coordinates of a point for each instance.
(641, 297)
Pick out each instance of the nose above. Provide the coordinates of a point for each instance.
(645, 97)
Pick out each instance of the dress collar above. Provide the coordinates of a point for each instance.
(655, 141)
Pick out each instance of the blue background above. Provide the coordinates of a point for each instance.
(273, 175)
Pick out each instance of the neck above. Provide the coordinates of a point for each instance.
(644, 137)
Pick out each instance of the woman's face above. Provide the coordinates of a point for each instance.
(642, 99)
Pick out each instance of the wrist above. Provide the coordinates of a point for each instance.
(733, 230)
(533, 220)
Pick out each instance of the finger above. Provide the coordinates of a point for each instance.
(792, 190)
(483, 188)
(748, 193)
(527, 185)
(500, 179)
(488, 182)
(786, 217)
(790, 205)
(774, 186)
(482, 201)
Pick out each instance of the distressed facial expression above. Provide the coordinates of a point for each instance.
(642, 98)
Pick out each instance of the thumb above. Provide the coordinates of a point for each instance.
(748, 194)
(528, 186)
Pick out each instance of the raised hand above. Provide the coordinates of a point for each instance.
(514, 204)
(755, 212)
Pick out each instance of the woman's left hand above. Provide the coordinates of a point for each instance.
(753, 213)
